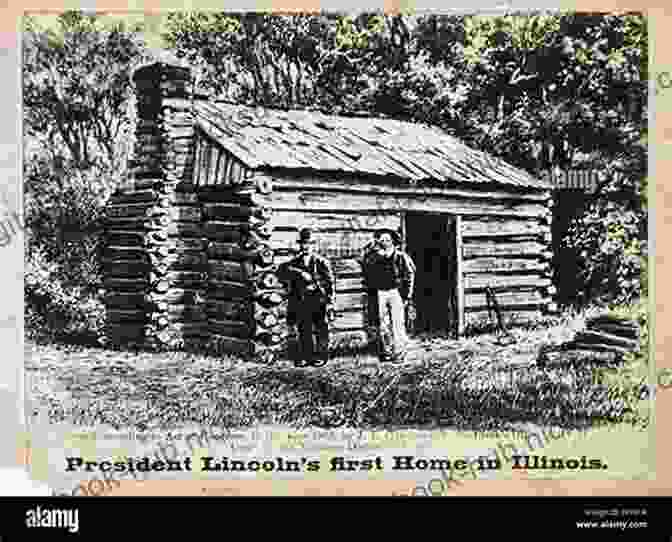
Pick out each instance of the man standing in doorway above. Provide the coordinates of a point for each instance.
(390, 272)
(311, 299)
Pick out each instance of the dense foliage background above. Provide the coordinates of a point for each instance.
(540, 91)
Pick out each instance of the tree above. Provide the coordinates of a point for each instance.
(76, 86)
(327, 62)
(76, 92)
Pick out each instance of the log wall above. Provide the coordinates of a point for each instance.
(512, 257)
(504, 241)
(245, 302)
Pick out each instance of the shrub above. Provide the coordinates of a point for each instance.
(608, 239)
(55, 311)
(64, 207)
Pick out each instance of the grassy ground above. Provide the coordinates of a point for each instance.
(472, 384)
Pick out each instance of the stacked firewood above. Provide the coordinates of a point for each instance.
(244, 299)
(604, 340)
(608, 333)
(154, 262)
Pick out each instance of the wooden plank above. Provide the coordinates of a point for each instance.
(185, 313)
(344, 284)
(235, 173)
(353, 320)
(598, 347)
(348, 340)
(234, 212)
(335, 201)
(226, 270)
(612, 319)
(176, 229)
(509, 316)
(185, 279)
(202, 166)
(227, 289)
(492, 265)
(345, 302)
(231, 328)
(187, 214)
(233, 252)
(114, 284)
(227, 310)
(472, 281)
(615, 329)
(355, 184)
(198, 154)
(505, 299)
(216, 157)
(176, 295)
(227, 173)
(459, 272)
(121, 316)
(331, 244)
(220, 178)
(588, 337)
(178, 244)
(128, 210)
(474, 249)
(293, 220)
(127, 270)
(120, 300)
(218, 231)
(171, 261)
(343, 266)
(500, 228)
(136, 196)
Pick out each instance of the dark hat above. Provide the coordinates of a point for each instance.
(305, 236)
(396, 238)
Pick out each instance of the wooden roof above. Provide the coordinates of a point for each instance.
(308, 140)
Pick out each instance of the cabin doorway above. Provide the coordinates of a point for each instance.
(431, 241)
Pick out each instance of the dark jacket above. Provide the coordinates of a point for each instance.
(395, 271)
(320, 283)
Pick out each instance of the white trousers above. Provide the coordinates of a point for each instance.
(392, 323)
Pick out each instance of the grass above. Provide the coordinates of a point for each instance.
(477, 383)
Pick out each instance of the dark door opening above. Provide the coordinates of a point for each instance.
(431, 243)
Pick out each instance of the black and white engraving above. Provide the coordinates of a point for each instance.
(369, 221)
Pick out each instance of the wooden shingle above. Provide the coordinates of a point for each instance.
(268, 138)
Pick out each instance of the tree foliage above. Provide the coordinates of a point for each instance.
(76, 96)
(542, 91)
(76, 86)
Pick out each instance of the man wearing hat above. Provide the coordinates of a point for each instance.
(390, 274)
(310, 282)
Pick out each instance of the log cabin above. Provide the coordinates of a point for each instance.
(217, 193)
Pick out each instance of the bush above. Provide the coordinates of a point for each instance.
(55, 311)
(63, 213)
(608, 240)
